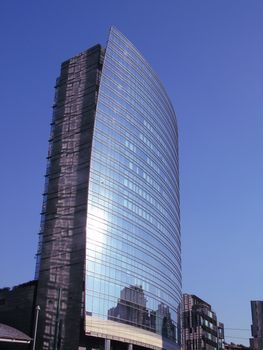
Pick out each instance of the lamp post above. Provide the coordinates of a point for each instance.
(35, 326)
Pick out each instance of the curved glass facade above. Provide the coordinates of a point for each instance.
(133, 253)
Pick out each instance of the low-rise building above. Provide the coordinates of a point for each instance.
(233, 346)
(17, 306)
(256, 343)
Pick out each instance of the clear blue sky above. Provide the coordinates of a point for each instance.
(209, 55)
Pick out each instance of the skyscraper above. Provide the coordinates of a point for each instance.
(109, 257)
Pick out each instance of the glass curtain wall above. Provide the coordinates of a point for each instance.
(133, 253)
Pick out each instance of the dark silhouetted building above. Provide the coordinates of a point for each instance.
(109, 257)
(200, 328)
(233, 346)
(17, 306)
(256, 342)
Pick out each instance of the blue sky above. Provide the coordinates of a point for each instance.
(209, 54)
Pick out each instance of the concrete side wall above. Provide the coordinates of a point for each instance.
(65, 202)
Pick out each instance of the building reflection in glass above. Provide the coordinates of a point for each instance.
(131, 309)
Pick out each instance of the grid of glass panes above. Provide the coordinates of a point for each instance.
(133, 228)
